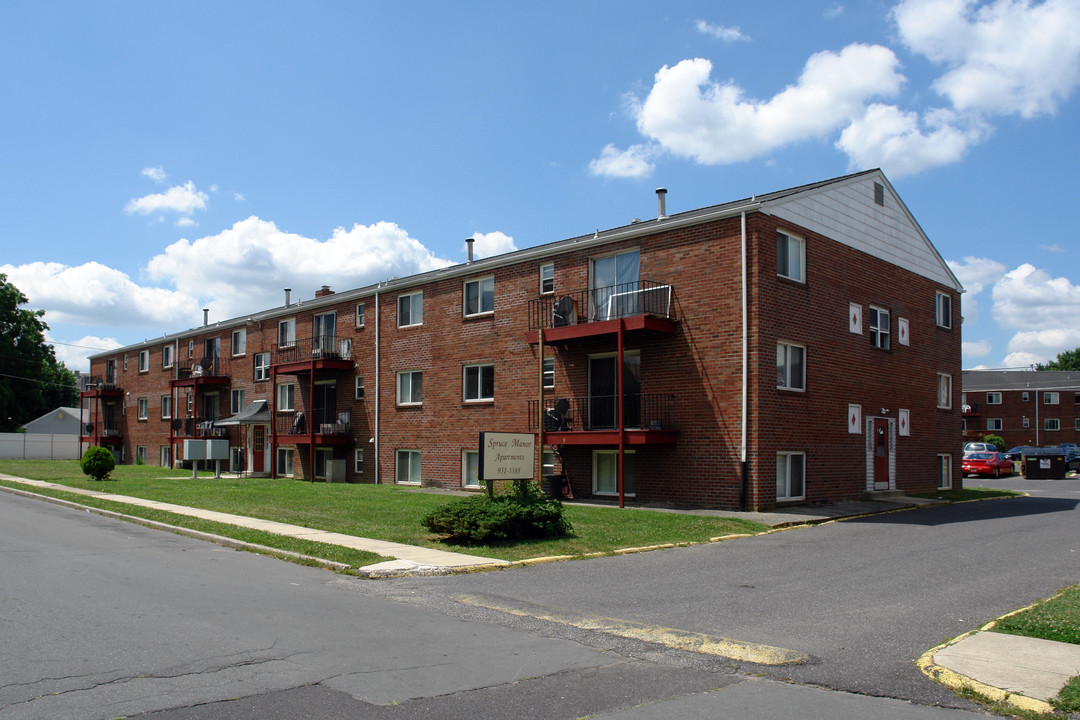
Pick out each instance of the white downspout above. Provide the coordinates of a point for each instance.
(378, 395)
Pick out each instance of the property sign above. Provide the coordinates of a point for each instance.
(507, 456)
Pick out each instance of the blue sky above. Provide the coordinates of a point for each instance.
(163, 157)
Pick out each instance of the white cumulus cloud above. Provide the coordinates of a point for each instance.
(635, 161)
(720, 32)
(491, 244)
(183, 199)
(157, 174)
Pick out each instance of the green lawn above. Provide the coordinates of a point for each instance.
(383, 512)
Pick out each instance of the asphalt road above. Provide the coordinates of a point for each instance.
(104, 619)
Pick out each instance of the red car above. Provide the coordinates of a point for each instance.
(986, 463)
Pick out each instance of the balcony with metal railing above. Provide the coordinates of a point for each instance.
(200, 427)
(642, 305)
(103, 386)
(320, 351)
(208, 370)
(594, 420)
(320, 427)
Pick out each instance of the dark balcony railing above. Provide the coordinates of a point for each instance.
(647, 411)
(971, 409)
(103, 382)
(319, 347)
(207, 366)
(642, 297)
(202, 427)
(321, 422)
(92, 430)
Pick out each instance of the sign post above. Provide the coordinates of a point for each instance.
(507, 456)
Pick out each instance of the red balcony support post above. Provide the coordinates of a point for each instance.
(619, 410)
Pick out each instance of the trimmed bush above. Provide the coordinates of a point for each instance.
(97, 462)
(516, 516)
(995, 440)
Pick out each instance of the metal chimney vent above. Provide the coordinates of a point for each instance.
(661, 195)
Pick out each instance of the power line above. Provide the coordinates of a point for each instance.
(41, 382)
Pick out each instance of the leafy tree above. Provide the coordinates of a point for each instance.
(995, 440)
(1067, 360)
(32, 382)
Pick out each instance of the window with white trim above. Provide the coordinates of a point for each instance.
(167, 356)
(143, 406)
(410, 309)
(790, 366)
(1024, 396)
(944, 391)
(407, 467)
(144, 361)
(943, 305)
(479, 296)
(1051, 424)
(1050, 398)
(166, 456)
(479, 383)
(286, 396)
(190, 349)
(790, 476)
(140, 455)
(549, 372)
(879, 327)
(790, 251)
(166, 406)
(1077, 424)
(410, 387)
(236, 400)
(1025, 423)
(547, 278)
(262, 366)
(358, 387)
(239, 341)
(606, 472)
(944, 477)
(993, 398)
(993, 423)
(286, 333)
(470, 468)
(358, 461)
(284, 462)
(361, 315)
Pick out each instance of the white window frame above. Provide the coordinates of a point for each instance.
(481, 284)
(785, 466)
(415, 314)
(166, 407)
(261, 371)
(286, 333)
(629, 468)
(993, 398)
(470, 469)
(361, 315)
(784, 349)
(358, 387)
(358, 461)
(1025, 423)
(285, 462)
(944, 391)
(943, 310)
(1051, 398)
(944, 471)
(143, 408)
(407, 392)
(144, 361)
(1076, 425)
(549, 372)
(993, 424)
(1051, 424)
(166, 356)
(409, 461)
(140, 454)
(1024, 396)
(190, 349)
(236, 400)
(880, 332)
(165, 456)
(477, 370)
(547, 279)
(286, 397)
(238, 346)
(784, 266)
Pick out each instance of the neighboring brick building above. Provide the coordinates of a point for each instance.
(1024, 407)
(392, 383)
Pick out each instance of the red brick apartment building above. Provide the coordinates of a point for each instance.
(644, 355)
(1024, 407)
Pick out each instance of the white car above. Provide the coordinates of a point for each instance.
(979, 447)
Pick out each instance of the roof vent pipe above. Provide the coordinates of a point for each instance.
(469, 245)
(205, 316)
(288, 295)
(661, 195)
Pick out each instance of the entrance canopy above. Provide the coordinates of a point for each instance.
(257, 413)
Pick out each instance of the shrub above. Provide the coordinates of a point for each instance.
(514, 516)
(995, 440)
(97, 462)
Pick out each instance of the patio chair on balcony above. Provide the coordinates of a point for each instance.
(564, 312)
(297, 425)
(557, 419)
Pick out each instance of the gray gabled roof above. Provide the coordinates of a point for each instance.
(999, 380)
